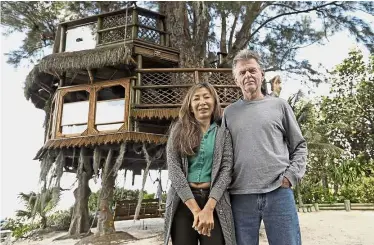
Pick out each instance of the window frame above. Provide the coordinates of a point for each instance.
(92, 89)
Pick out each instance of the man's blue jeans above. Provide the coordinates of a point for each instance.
(278, 211)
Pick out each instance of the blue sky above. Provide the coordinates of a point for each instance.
(22, 129)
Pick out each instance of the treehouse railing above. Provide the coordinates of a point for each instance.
(109, 28)
(166, 88)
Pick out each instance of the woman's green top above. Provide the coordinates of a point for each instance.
(200, 165)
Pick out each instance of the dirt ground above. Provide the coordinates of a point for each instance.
(317, 228)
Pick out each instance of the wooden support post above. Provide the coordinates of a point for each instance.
(139, 78)
(134, 33)
(92, 112)
(62, 39)
(347, 205)
(91, 76)
(99, 27)
(196, 77)
(131, 103)
(160, 26)
(61, 50)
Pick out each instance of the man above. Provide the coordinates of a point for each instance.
(276, 86)
(269, 158)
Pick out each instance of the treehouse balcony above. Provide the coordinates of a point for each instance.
(142, 29)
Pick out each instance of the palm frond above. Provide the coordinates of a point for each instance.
(23, 213)
(325, 147)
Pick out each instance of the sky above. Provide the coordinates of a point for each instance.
(22, 131)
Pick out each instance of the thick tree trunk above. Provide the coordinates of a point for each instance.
(80, 221)
(192, 46)
(105, 222)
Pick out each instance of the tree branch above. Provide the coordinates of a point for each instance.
(233, 31)
(223, 45)
(289, 13)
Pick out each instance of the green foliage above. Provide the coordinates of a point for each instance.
(60, 220)
(19, 226)
(36, 206)
(118, 195)
(339, 132)
(361, 192)
(352, 107)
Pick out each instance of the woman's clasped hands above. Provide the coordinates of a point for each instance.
(203, 221)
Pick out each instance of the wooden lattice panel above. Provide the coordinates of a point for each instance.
(115, 35)
(167, 78)
(228, 95)
(116, 20)
(163, 95)
(149, 35)
(220, 78)
(147, 21)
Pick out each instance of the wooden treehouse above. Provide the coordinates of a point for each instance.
(110, 90)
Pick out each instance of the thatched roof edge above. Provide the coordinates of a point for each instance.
(94, 140)
(155, 113)
(85, 59)
(31, 88)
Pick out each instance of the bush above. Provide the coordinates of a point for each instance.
(60, 220)
(19, 227)
(361, 192)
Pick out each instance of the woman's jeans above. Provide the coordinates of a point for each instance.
(182, 232)
(278, 211)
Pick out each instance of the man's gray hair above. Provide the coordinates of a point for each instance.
(245, 54)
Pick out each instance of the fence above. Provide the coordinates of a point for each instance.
(347, 206)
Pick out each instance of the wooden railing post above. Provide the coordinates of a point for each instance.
(196, 77)
(99, 27)
(316, 207)
(347, 205)
(134, 33)
(160, 26)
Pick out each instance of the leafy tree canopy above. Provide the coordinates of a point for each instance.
(275, 29)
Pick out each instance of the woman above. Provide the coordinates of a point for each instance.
(199, 158)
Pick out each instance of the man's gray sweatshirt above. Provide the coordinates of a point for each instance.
(268, 145)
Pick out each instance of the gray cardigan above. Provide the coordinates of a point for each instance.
(221, 178)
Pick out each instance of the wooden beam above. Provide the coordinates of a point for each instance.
(91, 76)
(62, 39)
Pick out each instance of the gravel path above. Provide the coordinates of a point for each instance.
(317, 228)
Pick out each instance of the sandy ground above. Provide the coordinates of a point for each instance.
(318, 228)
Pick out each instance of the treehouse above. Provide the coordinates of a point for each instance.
(110, 90)
(114, 78)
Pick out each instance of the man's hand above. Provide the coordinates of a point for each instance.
(286, 183)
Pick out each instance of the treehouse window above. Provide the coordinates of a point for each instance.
(110, 108)
(75, 112)
(81, 38)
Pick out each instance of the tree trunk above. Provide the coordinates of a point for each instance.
(145, 174)
(192, 46)
(336, 188)
(299, 197)
(325, 183)
(80, 220)
(105, 222)
(43, 222)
